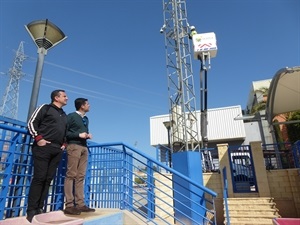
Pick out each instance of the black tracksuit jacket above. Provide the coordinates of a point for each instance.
(48, 122)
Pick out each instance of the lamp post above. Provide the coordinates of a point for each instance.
(45, 35)
(168, 125)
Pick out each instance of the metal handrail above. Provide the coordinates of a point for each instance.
(156, 190)
(225, 194)
(124, 161)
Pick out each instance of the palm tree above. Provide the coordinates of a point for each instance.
(293, 129)
(259, 106)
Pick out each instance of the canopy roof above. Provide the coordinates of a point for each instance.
(284, 93)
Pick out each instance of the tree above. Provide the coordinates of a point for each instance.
(293, 129)
(259, 106)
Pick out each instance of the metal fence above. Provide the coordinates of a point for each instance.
(126, 178)
(281, 155)
(118, 176)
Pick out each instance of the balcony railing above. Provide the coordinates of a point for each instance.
(118, 176)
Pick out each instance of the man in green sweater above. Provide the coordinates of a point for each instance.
(77, 135)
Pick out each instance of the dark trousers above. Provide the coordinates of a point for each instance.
(45, 162)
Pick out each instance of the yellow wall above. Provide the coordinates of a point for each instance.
(282, 185)
(285, 189)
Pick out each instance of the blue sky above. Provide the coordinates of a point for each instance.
(115, 56)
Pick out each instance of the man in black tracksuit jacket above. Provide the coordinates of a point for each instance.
(47, 125)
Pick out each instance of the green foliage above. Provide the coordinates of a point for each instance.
(263, 90)
(278, 133)
(293, 129)
(260, 105)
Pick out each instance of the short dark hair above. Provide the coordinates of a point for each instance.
(55, 93)
(79, 102)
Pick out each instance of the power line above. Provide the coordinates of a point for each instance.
(100, 78)
(93, 94)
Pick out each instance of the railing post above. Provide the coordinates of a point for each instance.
(58, 185)
(130, 181)
(150, 191)
(296, 153)
(127, 181)
(225, 194)
(6, 179)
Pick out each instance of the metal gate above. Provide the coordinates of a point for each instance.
(242, 169)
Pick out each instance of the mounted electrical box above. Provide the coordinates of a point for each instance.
(205, 44)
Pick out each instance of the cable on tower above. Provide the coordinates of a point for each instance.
(205, 48)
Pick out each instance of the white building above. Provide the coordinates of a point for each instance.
(224, 126)
(230, 124)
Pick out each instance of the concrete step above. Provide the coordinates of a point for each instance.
(249, 211)
(253, 206)
(250, 200)
(56, 217)
(15, 221)
(250, 223)
(252, 216)
(110, 216)
(256, 214)
(99, 217)
(252, 220)
(253, 210)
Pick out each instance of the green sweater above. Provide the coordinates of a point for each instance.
(76, 125)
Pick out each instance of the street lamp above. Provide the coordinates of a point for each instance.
(45, 35)
(168, 125)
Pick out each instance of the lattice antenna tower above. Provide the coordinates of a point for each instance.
(184, 127)
(9, 104)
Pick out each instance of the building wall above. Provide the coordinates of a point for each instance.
(282, 185)
(284, 188)
(221, 126)
(252, 132)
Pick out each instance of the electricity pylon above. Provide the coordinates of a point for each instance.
(9, 104)
(183, 120)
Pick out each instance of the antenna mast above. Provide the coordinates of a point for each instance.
(184, 127)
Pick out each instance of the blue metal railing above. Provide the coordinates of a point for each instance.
(279, 156)
(150, 194)
(118, 176)
(296, 153)
(15, 169)
(163, 154)
(225, 195)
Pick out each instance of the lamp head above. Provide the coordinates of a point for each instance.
(45, 34)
